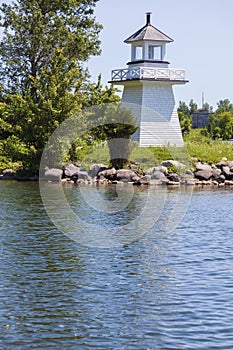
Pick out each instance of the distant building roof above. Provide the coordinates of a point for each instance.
(148, 33)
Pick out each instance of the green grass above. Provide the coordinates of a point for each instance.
(197, 146)
(206, 150)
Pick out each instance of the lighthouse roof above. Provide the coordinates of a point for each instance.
(148, 33)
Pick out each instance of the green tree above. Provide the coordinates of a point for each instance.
(42, 52)
(183, 108)
(192, 107)
(224, 106)
(221, 125)
(96, 94)
(185, 123)
(115, 124)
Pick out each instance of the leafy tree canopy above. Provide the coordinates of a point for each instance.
(43, 81)
(37, 32)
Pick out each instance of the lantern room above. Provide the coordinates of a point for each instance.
(148, 44)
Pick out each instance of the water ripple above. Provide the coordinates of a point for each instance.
(164, 291)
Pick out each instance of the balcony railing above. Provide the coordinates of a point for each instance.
(148, 73)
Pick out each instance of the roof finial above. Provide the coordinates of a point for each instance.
(148, 14)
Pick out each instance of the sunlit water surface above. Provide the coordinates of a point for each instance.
(164, 290)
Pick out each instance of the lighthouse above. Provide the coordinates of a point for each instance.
(148, 87)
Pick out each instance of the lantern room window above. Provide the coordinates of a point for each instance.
(138, 52)
(154, 53)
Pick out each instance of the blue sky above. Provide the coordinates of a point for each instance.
(202, 31)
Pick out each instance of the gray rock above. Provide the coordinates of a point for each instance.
(173, 177)
(9, 173)
(223, 162)
(157, 175)
(203, 166)
(203, 174)
(160, 168)
(145, 180)
(216, 173)
(75, 173)
(168, 163)
(53, 175)
(126, 175)
(227, 172)
(83, 175)
(70, 170)
(221, 178)
(96, 168)
(109, 174)
(189, 172)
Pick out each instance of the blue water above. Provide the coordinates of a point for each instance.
(164, 290)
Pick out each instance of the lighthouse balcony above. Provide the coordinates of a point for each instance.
(144, 73)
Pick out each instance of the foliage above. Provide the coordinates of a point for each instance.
(95, 94)
(220, 125)
(224, 106)
(115, 125)
(205, 149)
(42, 52)
(185, 123)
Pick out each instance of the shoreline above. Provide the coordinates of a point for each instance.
(169, 173)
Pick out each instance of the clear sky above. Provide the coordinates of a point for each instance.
(203, 45)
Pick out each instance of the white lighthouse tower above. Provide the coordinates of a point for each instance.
(148, 84)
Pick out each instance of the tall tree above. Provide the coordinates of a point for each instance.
(41, 63)
(115, 125)
(224, 106)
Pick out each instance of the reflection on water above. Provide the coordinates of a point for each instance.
(166, 290)
(112, 216)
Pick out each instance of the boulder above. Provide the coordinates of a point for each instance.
(9, 173)
(173, 177)
(96, 168)
(227, 172)
(109, 174)
(70, 170)
(145, 180)
(203, 174)
(216, 173)
(83, 175)
(157, 175)
(53, 175)
(126, 175)
(189, 172)
(203, 166)
(159, 168)
(168, 163)
(223, 162)
(75, 173)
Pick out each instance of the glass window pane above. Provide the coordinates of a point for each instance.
(138, 52)
(154, 52)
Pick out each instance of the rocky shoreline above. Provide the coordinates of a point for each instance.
(167, 173)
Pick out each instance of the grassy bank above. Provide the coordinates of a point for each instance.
(196, 146)
(207, 150)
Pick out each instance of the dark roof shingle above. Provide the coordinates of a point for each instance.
(148, 33)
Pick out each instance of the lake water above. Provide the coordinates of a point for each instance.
(160, 290)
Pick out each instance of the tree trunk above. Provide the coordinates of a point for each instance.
(119, 152)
